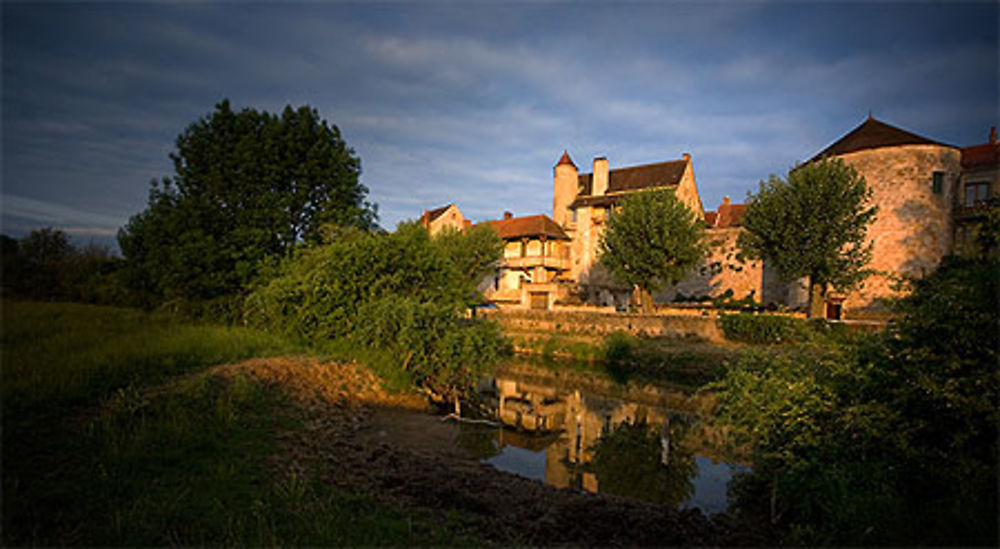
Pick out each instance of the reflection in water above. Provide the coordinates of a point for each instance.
(583, 430)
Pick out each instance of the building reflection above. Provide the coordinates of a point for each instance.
(597, 435)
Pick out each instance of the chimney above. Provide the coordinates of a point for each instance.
(508, 215)
(687, 157)
(725, 200)
(600, 179)
(993, 135)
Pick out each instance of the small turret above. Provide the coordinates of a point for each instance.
(565, 185)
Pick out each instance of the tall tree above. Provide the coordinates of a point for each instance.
(248, 185)
(813, 224)
(652, 241)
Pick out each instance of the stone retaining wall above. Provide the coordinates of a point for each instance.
(601, 323)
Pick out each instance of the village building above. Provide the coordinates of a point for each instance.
(535, 264)
(929, 196)
(438, 219)
(582, 202)
(927, 193)
(977, 185)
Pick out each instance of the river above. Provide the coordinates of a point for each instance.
(575, 426)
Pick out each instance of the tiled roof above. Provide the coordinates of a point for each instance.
(728, 215)
(731, 215)
(986, 155)
(431, 215)
(528, 226)
(873, 134)
(634, 178)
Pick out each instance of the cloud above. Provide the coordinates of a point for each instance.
(40, 213)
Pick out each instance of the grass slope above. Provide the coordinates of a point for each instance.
(96, 452)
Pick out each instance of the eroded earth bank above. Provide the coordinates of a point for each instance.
(356, 437)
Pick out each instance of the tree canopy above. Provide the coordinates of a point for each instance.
(653, 240)
(812, 224)
(248, 185)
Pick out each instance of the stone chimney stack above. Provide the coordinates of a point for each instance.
(600, 179)
(687, 157)
(508, 215)
(993, 135)
(725, 200)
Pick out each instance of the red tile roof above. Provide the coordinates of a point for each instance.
(731, 215)
(528, 226)
(873, 134)
(728, 215)
(986, 155)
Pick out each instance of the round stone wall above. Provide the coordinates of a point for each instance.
(913, 230)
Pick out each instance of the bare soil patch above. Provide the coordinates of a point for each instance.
(360, 438)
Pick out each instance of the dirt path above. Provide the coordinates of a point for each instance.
(361, 439)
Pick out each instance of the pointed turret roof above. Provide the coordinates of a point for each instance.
(873, 134)
(565, 159)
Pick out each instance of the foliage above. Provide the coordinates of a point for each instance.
(889, 440)
(44, 265)
(629, 462)
(474, 251)
(752, 328)
(812, 224)
(248, 187)
(403, 292)
(652, 241)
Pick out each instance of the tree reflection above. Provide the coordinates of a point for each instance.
(640, 461)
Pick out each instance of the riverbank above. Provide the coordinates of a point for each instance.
(120, 429)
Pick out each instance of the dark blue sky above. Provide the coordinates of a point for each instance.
(474, 104)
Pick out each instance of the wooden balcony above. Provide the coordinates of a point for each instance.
(532, 261)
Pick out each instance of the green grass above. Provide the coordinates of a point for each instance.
(92, 456)
(57, 354)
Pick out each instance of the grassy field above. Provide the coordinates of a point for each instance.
(97, 452)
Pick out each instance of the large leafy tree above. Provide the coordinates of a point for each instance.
(248, 185)
(652, 241)
(812, 224)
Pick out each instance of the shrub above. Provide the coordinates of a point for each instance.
(402, 292)
(750, 328)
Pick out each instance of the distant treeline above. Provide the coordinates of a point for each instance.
(45, 266)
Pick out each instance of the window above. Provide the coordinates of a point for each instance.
(976, 193)
(938, 184)
(574, 216)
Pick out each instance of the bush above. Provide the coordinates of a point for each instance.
(767, 329)
(402, 292)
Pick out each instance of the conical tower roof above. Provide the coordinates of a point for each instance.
(565, 159)
(873, 134)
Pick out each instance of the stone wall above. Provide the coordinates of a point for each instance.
(720, 271)
(913, 230)
(602, 323)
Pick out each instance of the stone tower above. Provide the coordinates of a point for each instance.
(565, 187)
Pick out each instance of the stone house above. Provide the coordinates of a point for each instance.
(535, 264)
(929, 196)
(977, 184)
(582, 202)
(446, 216)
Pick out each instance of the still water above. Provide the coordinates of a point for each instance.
(574, 427)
